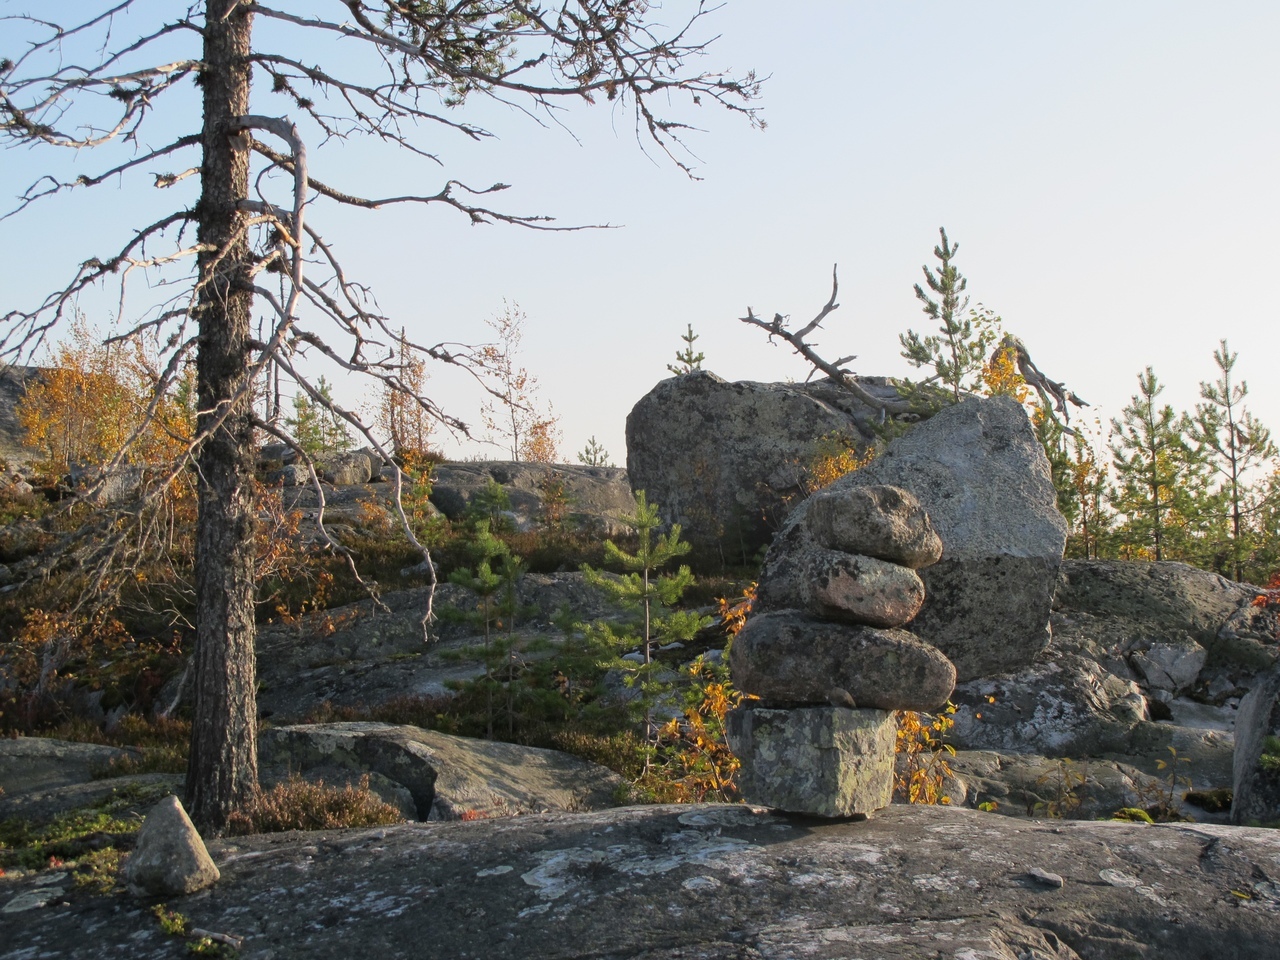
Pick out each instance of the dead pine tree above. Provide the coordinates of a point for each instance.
(242, 236)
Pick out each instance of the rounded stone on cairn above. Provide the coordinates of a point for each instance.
(880, 521)
(841, 586)
(787, 657)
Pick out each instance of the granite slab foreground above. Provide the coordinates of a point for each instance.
(708, 881)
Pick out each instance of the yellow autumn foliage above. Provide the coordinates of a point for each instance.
(96, 396)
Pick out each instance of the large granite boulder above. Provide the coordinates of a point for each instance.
(447, 777)
(984, 480)
(725, 460)
(345, 469)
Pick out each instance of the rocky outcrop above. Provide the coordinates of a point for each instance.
(1172, 627)
(35, 764)
(711, 882)
(447, 777)
(1256, 769)
(365, 654)
(14, 380)
(983, 479)
(592, 498)
(1145, 657)
(724, 460)
(170, 859)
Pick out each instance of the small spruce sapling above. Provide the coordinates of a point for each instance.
(1233, 442)
(594, 454)
(643, 589)
(314, 423)
(957, 352)
(688, 360)
(485, 584)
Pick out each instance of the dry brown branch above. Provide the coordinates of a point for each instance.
(833, 369)
(1043, 386)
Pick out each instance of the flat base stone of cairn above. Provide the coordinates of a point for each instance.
(825, 761)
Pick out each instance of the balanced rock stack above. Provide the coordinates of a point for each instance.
(826, 658)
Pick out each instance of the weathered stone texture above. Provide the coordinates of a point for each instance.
(724, 460)
(712, 882)
(786, 657)
(170, 859)
(983, 479)
(1256, 782)
(841, 586)
(825, 761)
(447, 777)
(877, 521)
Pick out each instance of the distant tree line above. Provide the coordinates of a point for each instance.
(1156, 484)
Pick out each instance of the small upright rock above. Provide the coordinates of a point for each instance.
(825, 761)
(170, 859)
(1256, 773)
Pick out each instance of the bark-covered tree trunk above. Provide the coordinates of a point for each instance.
(223, 770)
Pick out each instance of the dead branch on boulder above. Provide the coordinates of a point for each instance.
(833, 369)
(1035, 379)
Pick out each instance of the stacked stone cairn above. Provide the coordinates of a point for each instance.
(825, 653)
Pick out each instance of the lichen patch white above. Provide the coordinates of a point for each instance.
(701, 883)
(495, 871)
(32, 899)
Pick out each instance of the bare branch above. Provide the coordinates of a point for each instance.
(842, 377)
(1043, 386)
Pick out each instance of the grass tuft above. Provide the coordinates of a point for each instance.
(299, 804)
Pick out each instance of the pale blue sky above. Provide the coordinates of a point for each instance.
(1108, 168)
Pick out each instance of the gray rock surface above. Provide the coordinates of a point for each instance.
(1114, 612)
(363, 655)
(1255, 781)
(596, 496)
(885, 522)
(448, 777)
(824, 761)
(38, 764)
(1063, 705)
(170, 859)
(983, 478)
(1027, 785)
(344, 469)
(840, 586)
(786, 657)
(709, 882)
(43, 804)
(14, 379)
(724, 460)
(1169, 669)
